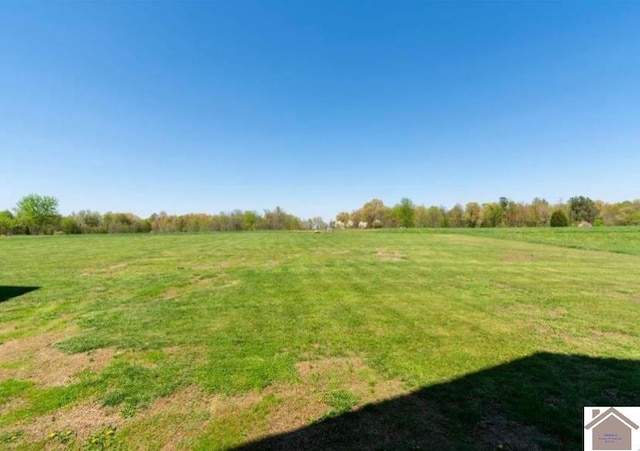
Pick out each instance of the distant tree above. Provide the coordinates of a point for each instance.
(343, 217)
(559, 219)
(512, 214)
(445, 216)
(391, 217)
(7, 222)
(373, 211)
(492, 214)
(236, 220)
(435, 217)
(89, 221)
(539, 213)
(455, 216)
(472, 214)
(430, 217)
(317, 223)
(623, 213)
(278, 219)
(69, 225)
(582, 209)
(114, 222)
(37, 213)
(250, 220)
(420, 215)
(404, 211)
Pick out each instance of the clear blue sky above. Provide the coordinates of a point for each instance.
(317, 106)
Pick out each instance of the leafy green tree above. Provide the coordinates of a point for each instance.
(582, 209)
(37, 213)
(69, 225)
(405, 213)
(430, 217)
(492, 214)
(250, 220)
(559, 219)
(7, 222)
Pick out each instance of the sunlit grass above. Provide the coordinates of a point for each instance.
(233, 314)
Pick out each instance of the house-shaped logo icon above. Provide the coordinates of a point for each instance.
(610, 430)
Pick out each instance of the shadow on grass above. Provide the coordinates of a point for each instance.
(532, 403)
(7, 292)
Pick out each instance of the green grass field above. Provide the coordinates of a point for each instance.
(486, 339)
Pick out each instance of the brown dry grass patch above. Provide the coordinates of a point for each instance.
(182, 416)
(305, 402)
(350, 373)
(387, 255)
(39, 361)
(83, 419)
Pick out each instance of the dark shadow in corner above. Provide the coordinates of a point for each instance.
(7, 293)
(533, 403)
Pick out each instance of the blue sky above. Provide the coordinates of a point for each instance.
(317, 106)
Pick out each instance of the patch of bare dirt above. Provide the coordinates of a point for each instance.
(298, 404)
(387, 255)
(53, 368)
(184, 400)
(171, 293)
(296, 409)
(83, 419)
(177, 418)
(7, 329)
(224, 405)
(349, 373)
(166, 423)
(46, 365)
(14, 404)
(14, 349)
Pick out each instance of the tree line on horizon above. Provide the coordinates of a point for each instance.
(502, 213)
(35, 214)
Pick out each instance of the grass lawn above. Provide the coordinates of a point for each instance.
(487, 339)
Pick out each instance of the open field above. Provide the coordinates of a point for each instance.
(485, 339)
(625, 240)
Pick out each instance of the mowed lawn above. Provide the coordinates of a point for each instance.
(362, 339)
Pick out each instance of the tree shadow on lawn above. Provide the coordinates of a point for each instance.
(533, 403)
(8, 292)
